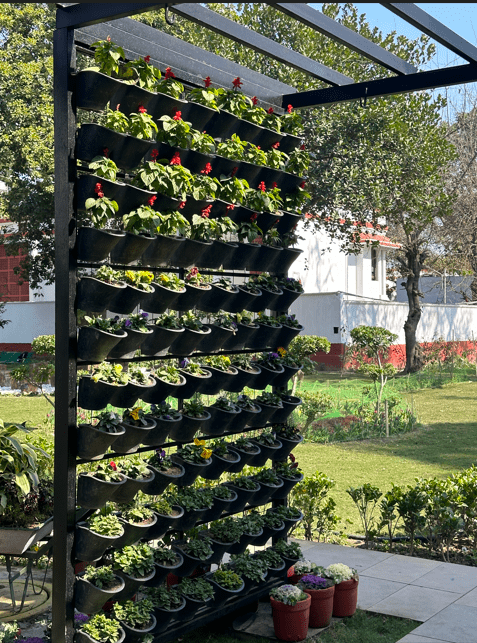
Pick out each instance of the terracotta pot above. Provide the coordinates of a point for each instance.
(290, 622)
(345, 598)
(321, 607)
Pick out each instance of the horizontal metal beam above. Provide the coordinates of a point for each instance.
(328, 27)
(189, 63)
(384, 87)
(433, 28)
(83, 14)
(263, 45)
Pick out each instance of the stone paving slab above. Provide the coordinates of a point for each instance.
(361, 559)
(412, 638)
(451, 577)
(374, 590)
(453, 624)
(403, 569)
(416, 603)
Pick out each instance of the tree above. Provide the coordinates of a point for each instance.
(3, 322)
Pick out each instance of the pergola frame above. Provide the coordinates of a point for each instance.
(81, 24)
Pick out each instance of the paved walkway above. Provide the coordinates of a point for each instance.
(443, 596)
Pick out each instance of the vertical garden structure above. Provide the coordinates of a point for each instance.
(79, 25)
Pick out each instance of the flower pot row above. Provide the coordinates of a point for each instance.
(95, 90)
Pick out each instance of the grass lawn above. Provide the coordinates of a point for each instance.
(33, 410)
(446, 444)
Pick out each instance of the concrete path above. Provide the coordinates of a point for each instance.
(443, 596)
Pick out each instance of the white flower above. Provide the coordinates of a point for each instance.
(340, 572)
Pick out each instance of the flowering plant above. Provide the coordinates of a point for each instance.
(276, 159)
(291, 122)
(307, 567)
(270, 360)
(141, 124)
(108, 471)
(272, 121)
(110, 373)
(175, 131)
(173, 223)
(117, 121)
(101, 208)
(289, 320)
(192, 322)
(254, 113)
(288, 594)
(203, 187)
(107, 56)
(159, 460)
(194, 368)
(204, 96)
(232, 148)
(140, 279)
(298, 162)
(174, 179)
(339, 572)
(291, 284)
(165, 411)
(202, 142)
(310, 581)
(109, 325)
(220, 362)
(232, 190)
(144, 220)
(294, 201)
(262, 200)
(233, 100)
(138, 374)
(170, 85)
(170, 281)
(104, 167)
(142, 73)
(254, 154)
(288, 470)
(224, 320)
(197, 452)
(135, 416)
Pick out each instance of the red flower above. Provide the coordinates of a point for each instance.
(237, 83)
(289, 109)
(292, 457)
(207, 169)
(113, 466)
(302, 185)
(169, 73)
(274, 185)
(178, 116)
(276, 145)
(97, 187)
(117, 107)
(182, 205)
(176, 159)
(193, 272)
(270, 110)
(154, 154)
(276, 221)
(152, 199)
(234, 171)
(254, 217)
(100, 195)
(147, 59)
(108, 38)
(106, 151)
(302, 146)
(230, 206)
(254, 100)
(141, 109)
(207, 81)
(262, 187)
(206, 211)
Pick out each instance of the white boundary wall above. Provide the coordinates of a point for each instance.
(28, 320)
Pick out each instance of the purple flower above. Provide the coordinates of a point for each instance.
(145, 315)
(81, 618)
(31, 639)
(184, 362)
(274, 355)
(127, 323)
(314, 582)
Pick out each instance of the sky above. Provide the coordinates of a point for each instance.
(460, 17)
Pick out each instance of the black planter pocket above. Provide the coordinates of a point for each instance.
(244, 256)
(185, 433)
(130, 248)
(286, 334)
(136, 635)
(266, 377)
(218, 255)
(190, 253)
(220, 420)
(223, 166)
(290, 142)
(267, 451)
(160, 340)
(94, 89)
(244, 542)
(162, 572)
(281, 379)
(218, 298)
(199, 115)
(162, 390)
(134, 532)
(95, 245)
(132, 584)
(89, 599)
(161, 249)
(94, 344)
(187, 342)
(246, 130)
(126, 196)
(288, 484)
(244, 496)
(164, 523)
(249, 172)
(157, 436)
(268, 137)
(267, 533)
(165, 105)
(161, 480)
(127, 347)
(125, 150)
(269, 259)
(220, 505)
(290, 404)
(165, 618)
(133, 436)
(246, 457)
(125, 301)
(266, 412)
(243, 338)
(160, 300)
(92, 443)
(189, 519)
(267, 220)
(271, 299)
(192, 298)
(90, 546)
(192, 471)
(193, 383)
(289, 182)
(288, 297)
(287, 222)
(242, 379)
(284, 261)
(196, 161)
(94, 295)
(131, 97)
(126, 492)
(95, 396)
(190, 563)
(194, 206)
(212, 342)
(220, 125)
(288, 446)
(218, 466)
(94, 493)
(270, 175)
(220, 380)
(240, 421)
(266, 336)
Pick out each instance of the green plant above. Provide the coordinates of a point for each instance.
(194, 368)
(233, 100)
(204, 96)
(314, 404)
(108, 275)
(134, 560)
(252, 522)
(271, 558)
(198, 548)
(276, 159)
(310, 497)
(270, 399)
(191, 498)
(227, 579)
(135, 469)
(292, 122)
(272, 121)
(221, 491)
(143, 220)
(338, 572)
(9, 632)
(164, 555)
(168, 320)
(298, 162)
(262, 200)
(227, 530)
(138, 376)
(100, 209)
(203, 187)
(287, 513)
(172, 179)
(104, 167)
(197, 588)
(135, 322)
(109, 525)
(167, 372)
(196, 453)
(109, 324)
(244, 442)
(265, 280)
(244, 482)
(231, 189)
(166, 598)
(193, 408)
(101, 577)
(267, 438)
(232, 148)
(252, 568)
(108, 471)
(107, 421)
(254, 113)
(170, 85)
(267, 476)
(107, 56)
(203, 143)
(140, 279)
(254, 154)
(117, 121)
(388, 513)
(102, 628)
(225, 404)
(175, 132)
(244, 362)
(110, 373)
(289, 320)
(161, 506)
(272, 520)
(296, 200)
(220, 362)
(136, 614)
(288, 550)
(137, 515)
(249, 230)
(141, 124)
(288, 470)
(288, 594)
(144, 74)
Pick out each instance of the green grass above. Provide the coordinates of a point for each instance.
(446, 443)
(365, 627)
(33, 409)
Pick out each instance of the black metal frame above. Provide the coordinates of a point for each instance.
(83, 23)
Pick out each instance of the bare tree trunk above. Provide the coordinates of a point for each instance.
(412, 265)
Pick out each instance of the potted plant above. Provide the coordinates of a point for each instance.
(167, 516)
(98, 337)
(222, 459)
(94, 587)
(136, 427)
(227, 584)
(167, 560)
(170, 237)
(193, 457)
(222, 535)
(194, 332)
(252, 570)
(194, 374)
(137, 283)
(245, 488)
(139, 226)
(270, 289)
(196, 288)
(198, 593)
(291, 327)
(222, 251)
(246, 330)
(100, 629)
(271, 366)
(223, 292)
(290, 552)
(195, 417)
(222, 412)
(137, 474)
(252, 528)
(168, 383)
(269, 447)
(195, 551)
(245, 448)
(290, 367)
(166, 329)
(167, 288)
(94, 536)
(136, 618)
(166, 418)
(291, 612)
(195, 501)
(292, 288)
(168, 95)
(247, 370)
(289, 404)
(135, 565)
(289, 436)
(223, 373)
(201, 106)
(248, 252)
(289, 473)
(223, 326)
(223, 497)
(302, 567)
(95, 293)
(140, 381)
(269, 329)
(168, 605)
(322, 592)
(274, 562)
(267, 400)
(98, 486)
(346, 581)
(291, 516)
(270, 484)
(93, 440)
(137, 521)
(273, 526)
(106, 384)
(95, 86)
